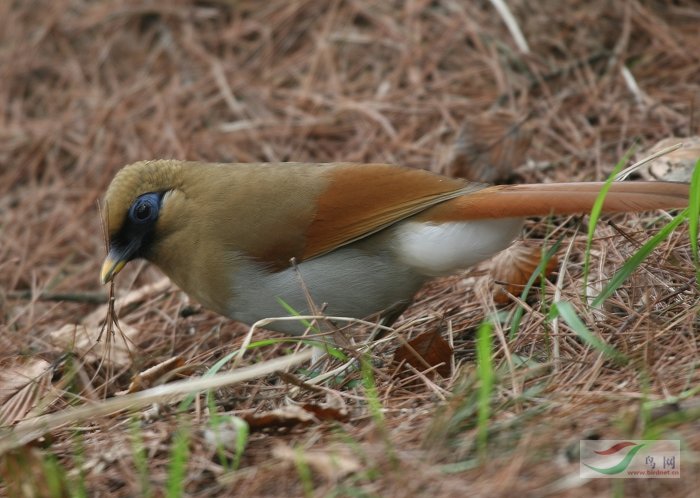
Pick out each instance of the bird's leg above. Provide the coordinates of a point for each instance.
(387, 319)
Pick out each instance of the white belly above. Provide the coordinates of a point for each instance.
(350, 281)
(371, 275)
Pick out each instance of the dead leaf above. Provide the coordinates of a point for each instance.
(130, 300)
(676, 166)
(158, 374)
(325, 412)
(426, 351)
(489, 146)
(293, 416)
(29, 388)
(82, 340)
(331, 464)
(279, 420)
(513, 267)
(21, 388)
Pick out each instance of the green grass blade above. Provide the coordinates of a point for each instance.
(375, 406)
(486, 382)
(140, 457)
(54, 476)
(304, 471)
(334, 352)
(216, 421)
(596, 212)
(636, 259)
(693, 215)
(566, 311)
(177, 468)
(371, 393)
(76, 481)
(539, 271)
(242, 436)
(292, 312)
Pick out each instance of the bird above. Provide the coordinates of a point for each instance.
(254, 240)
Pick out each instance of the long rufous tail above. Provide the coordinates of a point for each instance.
(519, 201)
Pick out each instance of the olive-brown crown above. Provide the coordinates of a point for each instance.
(133, 181)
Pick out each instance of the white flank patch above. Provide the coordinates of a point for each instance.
(438, 249)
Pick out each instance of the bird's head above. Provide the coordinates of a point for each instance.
(135, 213)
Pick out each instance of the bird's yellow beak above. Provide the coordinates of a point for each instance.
(113, 264)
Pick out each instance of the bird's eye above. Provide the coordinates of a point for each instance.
(145, 208)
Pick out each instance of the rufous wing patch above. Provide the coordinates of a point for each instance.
(362, 199)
